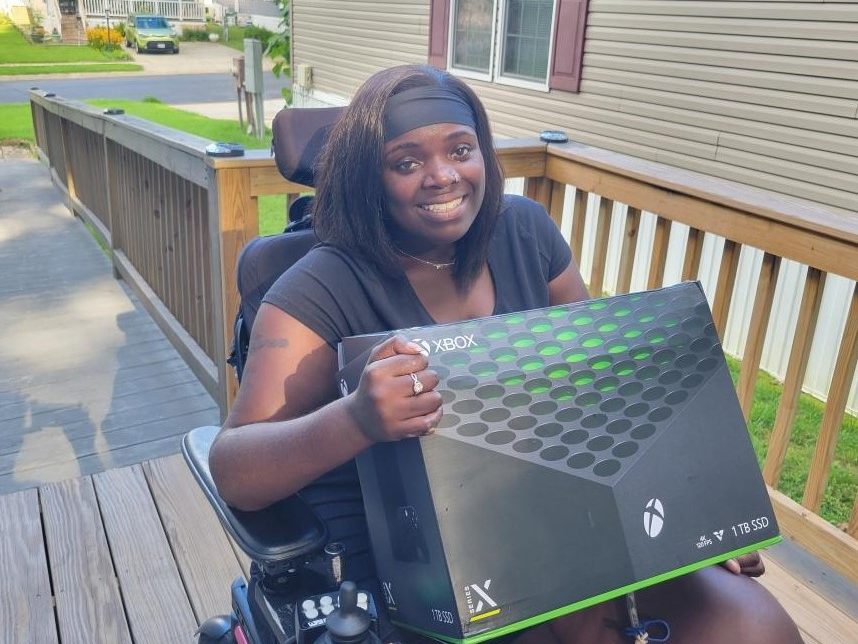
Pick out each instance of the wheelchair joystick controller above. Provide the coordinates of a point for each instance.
(349, 623)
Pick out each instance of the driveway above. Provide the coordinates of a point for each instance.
(193, 58)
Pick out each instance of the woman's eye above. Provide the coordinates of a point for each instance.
(461, 151)
(406, 165)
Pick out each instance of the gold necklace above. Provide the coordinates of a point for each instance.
(436, 266)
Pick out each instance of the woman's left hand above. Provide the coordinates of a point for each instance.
(750, 564)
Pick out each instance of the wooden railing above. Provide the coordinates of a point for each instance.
(181, 10)
(176, 221)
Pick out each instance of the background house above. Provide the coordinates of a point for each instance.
(763, 93)
(71, 18)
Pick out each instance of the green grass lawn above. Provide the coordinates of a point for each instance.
(82, 68)
(16, 124)
(15, 121)
(14, 48)
(843, 480)
(236, 35)
(214, 129)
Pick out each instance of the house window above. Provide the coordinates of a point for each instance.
(502, 39)
(526, 39)
(473, 35)
(534, 43)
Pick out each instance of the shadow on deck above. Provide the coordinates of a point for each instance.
(88, 382)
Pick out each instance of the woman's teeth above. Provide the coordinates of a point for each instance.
(442, 207)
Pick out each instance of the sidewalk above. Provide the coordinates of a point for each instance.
(230, 110)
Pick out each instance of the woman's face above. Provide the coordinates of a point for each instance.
(434, 178)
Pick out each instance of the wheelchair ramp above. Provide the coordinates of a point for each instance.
(88, 382)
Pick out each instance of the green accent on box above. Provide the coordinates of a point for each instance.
(592, 601)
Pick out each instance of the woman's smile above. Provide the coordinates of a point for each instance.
(444, 209)
(434, 177)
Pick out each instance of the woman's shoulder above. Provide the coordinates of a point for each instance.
(324, 267)
(523, 216)
(325, 261)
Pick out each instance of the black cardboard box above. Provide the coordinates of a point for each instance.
(585, 451)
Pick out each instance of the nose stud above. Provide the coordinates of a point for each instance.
(454, 178)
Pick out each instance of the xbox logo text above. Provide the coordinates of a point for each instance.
(653, 518)
(446, 344)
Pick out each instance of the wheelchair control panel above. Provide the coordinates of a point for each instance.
(312, 615)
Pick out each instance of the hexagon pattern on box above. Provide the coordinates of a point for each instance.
(585, 450)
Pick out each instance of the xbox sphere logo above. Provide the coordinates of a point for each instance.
(653, 517)
(426, 348)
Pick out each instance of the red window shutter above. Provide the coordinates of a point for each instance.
(439, 24)
(568, 53)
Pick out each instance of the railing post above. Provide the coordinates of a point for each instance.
(233, 221)
(110, 180)
(539, 189)
(841, 381)
(69, 178)
(805, 328)
(757, 329)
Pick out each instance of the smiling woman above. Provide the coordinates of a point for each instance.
(415, 231)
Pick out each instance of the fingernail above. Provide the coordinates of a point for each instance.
(414, 346)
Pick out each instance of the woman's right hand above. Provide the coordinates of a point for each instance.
(384, 404)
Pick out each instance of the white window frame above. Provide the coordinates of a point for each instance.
(496, 54)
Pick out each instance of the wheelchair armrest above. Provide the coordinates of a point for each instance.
(283, 531)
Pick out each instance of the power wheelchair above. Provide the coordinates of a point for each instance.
(291, 596)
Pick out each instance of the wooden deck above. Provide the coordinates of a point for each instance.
(104, 535)
(87, 380)
(135, 554)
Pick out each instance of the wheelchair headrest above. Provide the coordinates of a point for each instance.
(298, 137)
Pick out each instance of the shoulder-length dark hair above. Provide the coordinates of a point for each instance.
(350, 205)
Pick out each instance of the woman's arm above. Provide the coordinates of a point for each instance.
(287, 426)
(567, 287)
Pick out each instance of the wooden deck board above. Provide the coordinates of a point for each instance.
(156, 604)
(203, 553)
(136, 554)
(818, 620)
(89, 605)
(26, 602)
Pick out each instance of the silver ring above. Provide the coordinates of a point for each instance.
(416, 385)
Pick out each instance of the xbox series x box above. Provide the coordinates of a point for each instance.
(585, 451)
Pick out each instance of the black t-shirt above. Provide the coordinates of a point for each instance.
(338, 295)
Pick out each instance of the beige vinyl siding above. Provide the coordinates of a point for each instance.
(764, 93)
(346, 41)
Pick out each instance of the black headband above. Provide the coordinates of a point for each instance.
(421, 106)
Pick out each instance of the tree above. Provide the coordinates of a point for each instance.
(279, 45)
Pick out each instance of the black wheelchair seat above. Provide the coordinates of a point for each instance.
(277, 536)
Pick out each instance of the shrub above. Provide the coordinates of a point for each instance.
(194, 35)
(260, 33)
(97, 37)
(37, 33)
(120, 29)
